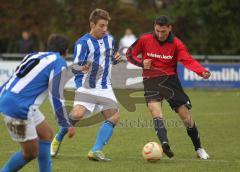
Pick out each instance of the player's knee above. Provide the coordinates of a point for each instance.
(188, 121)
(183, 110)
(154, 111)
(185, 122)
(78, 113)
(47, 135)
(28, 156)
(114, 118)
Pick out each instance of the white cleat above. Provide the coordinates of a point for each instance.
(202, 154)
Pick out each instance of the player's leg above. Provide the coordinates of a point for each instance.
(181, 103)
(77, 113)
(107, 104)
(104, 135)
(154, 94)
(24, 132)
(192, 131)
(79, 110)
(21, 158)
(107, 128)
(45, 134)
(57, 140)
(190, 125)
(156, 112)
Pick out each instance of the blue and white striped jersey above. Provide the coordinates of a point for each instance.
(29, 85)
(99, 52)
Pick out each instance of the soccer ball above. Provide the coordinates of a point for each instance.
(152, 152)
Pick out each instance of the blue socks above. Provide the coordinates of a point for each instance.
(15, 163)
(44, 157)
(61, 133)
(104, 134)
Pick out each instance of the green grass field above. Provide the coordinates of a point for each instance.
(217, 114)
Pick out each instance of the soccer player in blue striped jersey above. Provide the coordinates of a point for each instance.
(37, 75)
(94, 55)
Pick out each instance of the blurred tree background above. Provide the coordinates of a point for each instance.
(205, 26)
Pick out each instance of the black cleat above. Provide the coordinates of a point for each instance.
(167, 150)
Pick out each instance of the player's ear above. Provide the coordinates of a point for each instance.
(92, 25)
(170, 28)
(65, 54)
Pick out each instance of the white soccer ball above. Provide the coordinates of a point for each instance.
(152, 152)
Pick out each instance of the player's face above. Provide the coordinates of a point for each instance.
(162, 32)
(99, 29)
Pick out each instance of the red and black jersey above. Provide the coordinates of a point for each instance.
(164, 55)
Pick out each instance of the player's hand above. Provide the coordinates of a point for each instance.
(118, 57)
(206, 74)
(147, 63)
(86, 67)
(71, 132)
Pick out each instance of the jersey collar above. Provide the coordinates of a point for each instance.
(169, 39)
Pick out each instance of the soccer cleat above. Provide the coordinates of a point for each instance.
(97, 156)
(55, 145)
(167, 150)
(202, 154)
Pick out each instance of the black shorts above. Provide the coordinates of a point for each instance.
(166, 87)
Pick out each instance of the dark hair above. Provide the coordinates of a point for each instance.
(98, 14)
(26, 30)
(58, 43)
(163, 21)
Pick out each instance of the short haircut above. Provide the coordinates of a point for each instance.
(99, 14)
(58, 43)
(26, 30)
(163, 21)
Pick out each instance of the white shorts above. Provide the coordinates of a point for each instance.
(23, 130)
(95, 100)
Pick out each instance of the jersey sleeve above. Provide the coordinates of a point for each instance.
(133, 51)
(81, 53)
(56, 88)
(187, 60)
(2, 87)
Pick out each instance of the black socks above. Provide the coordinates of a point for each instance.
(160, 130)
(193, 134)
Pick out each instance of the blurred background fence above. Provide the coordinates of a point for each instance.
(225, 72)
(209, 28)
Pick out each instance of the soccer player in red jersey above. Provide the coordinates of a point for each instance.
(161, 51)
